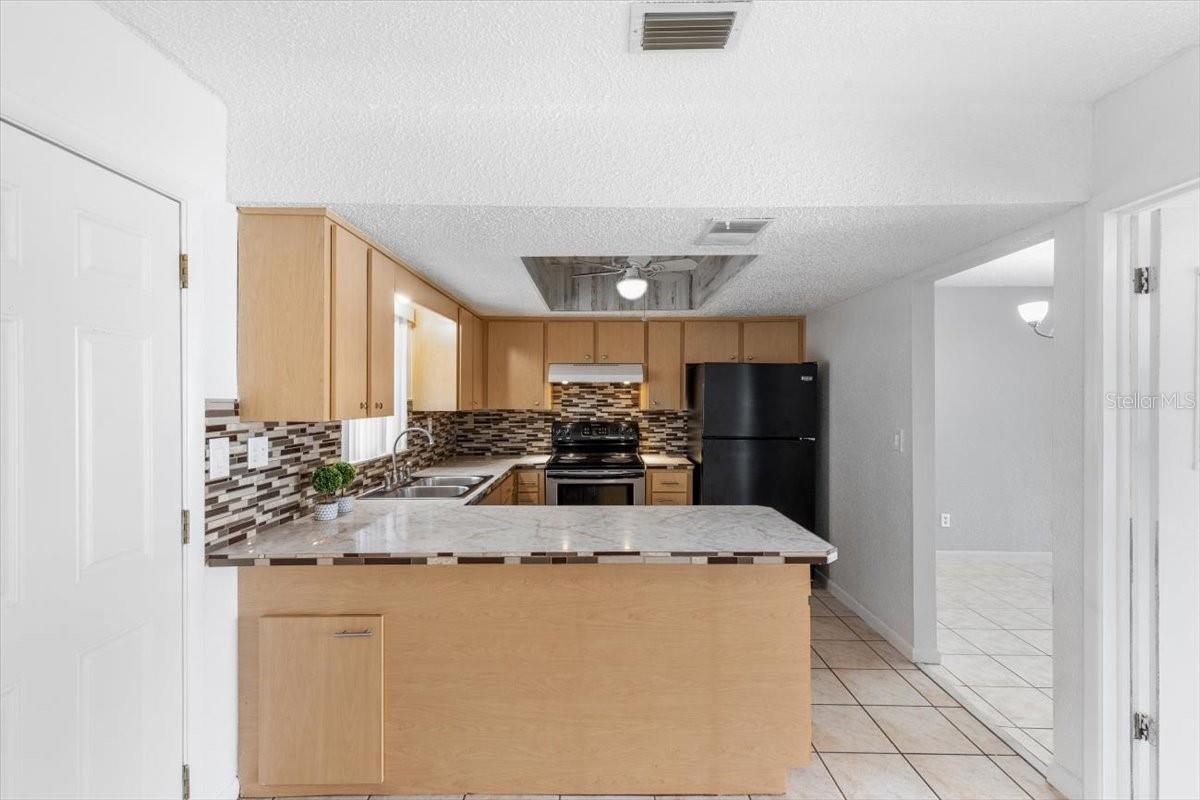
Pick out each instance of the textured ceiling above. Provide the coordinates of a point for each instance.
(884, 135)
(1033, 266)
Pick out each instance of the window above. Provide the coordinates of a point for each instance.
(365, 439)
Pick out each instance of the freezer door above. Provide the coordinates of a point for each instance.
(778, 473)
(755, 401)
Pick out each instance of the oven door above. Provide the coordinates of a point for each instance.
(595, 488)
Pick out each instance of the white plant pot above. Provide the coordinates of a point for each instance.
(345, 504)
(326, 511)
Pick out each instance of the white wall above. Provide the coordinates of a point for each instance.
(1146, 140)
(993, 391)
(69, 71)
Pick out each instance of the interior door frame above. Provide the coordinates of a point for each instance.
(185, 446)
(1115, 600)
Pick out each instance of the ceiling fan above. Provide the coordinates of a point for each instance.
(635, 270)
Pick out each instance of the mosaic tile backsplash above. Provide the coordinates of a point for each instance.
(250, 499)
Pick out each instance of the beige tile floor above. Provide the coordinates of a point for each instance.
(883, 729)
(994, 632)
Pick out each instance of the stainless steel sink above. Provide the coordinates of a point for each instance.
(420, 491)
(449, 480)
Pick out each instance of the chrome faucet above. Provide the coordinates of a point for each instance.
(428, 435)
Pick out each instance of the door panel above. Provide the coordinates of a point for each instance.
(349, 326)
(570, 342)
(620, 342)
(90, 585)
(664, 365)
(707, 342)
(771, 342)
(763, 472)
(320, 700)
(381, 338)
(466, 359)
(515, 370)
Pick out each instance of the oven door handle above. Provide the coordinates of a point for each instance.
(595, 476)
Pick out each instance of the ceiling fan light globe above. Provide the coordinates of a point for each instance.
(632, 288)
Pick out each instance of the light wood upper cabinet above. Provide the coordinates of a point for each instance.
(515, 369)
(570, 342)
(381, 336)
(470, 361)
(771, 342)
(320, 704)
(663, 388)
(433, 361)
(349, 325)
(620, 342)
(708, 341)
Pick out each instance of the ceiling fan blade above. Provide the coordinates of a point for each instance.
(675, 265)
(594, 274)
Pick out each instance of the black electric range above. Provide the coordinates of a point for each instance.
(595, 462)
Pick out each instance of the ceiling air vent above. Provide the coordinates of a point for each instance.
(685, 26)
(732, 232)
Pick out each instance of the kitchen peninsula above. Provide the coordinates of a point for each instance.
(439, 647)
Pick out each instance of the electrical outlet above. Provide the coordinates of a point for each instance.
(218, 458)
(256, 452)
(945, 520)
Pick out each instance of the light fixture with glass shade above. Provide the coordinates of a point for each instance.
(632, 285)
(1033, 313)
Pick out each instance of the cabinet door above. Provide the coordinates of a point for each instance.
(664, 366)
(468, 325)
(621, 342)
(381, 337)
(478, 376)
(515, 370)
(706, 342)
(320, 700)
(570, 342)
(771, 342)
(348, 399)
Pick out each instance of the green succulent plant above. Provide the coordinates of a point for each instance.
(347, 472)
(326, 481)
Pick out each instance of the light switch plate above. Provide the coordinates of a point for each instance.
(256, 452)
(218, 458)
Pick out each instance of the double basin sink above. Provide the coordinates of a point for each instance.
(432, 486)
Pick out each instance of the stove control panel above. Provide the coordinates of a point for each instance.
(594, 432)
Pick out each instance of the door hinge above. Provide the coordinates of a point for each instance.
(183, 271)
(1143, 727)
(1141, 280)
(187, 782)
(185, 519)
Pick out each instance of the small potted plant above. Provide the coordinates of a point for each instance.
(326, 481)
(347, 472)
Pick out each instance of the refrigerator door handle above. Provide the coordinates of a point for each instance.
(808, 438)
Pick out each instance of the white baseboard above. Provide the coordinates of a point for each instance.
(1037, 556)
(931, 656)
(1067, 783)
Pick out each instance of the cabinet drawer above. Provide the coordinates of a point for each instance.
(317, 675)
(674, 480)
(668, 499)
(528, 479)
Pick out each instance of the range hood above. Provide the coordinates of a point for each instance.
(596, 373)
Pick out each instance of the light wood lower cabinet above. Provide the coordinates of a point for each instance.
(320, 705)
(531, 487)
(669, 487)
(503, 493)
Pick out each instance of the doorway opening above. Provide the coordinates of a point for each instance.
(993, 396)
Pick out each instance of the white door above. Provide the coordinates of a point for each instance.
(90, 488)
(1165, 501)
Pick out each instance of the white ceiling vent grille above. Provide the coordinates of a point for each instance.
(685, 26)
(732, 232)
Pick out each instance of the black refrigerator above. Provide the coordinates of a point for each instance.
(753, 436)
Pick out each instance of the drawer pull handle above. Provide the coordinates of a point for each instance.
(354, 634)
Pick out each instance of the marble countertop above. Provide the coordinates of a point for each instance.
(452, 531)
